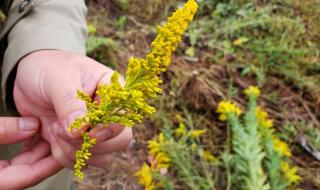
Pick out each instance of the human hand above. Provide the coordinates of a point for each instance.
(46, 86)
(31, 166)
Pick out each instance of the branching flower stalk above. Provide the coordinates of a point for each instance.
(127, 105)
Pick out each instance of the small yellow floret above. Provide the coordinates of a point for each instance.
(227, 107)
(83, 154)
(181, 130)
(161, 158)
(144, 176)
(208, 156)
(252, 91)
(197, 133)
(290, 173)
(281, 147)
(263, 118)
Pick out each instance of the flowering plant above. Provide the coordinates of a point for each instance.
(127, 105)
(260, 160)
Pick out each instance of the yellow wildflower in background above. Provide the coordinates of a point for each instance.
(252, 91)
(127, 105)
(194, 146)
(197, 133)
(290, 173)
(91, 29)
(208, 156)
(144, 176)
(162, 159)
(181, 130)
(227, 107)
(263, 118)
(281, 147)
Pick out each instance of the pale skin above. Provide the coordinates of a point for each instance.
(36, 160)
(45, 88)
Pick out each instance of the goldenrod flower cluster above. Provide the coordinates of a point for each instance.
(83, 154)
(163, 150)
(161, 158)
(127, 105)
(160, 161)
(290, 173)
(225, 108)
(263, 118)
(145, 177)
(281, 147)
(252, 91)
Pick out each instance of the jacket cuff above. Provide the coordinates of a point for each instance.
(58, 24)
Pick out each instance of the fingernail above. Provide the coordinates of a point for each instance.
(28, 124)
(104, 134)
(74, 116)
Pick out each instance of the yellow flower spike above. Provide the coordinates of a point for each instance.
(83, 154)
(290, 173)
(252, 91)
(227, 107)
(127, 105)
(281, 147)
(197, 133)
(144, 176)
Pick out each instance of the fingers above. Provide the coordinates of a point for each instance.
(67, 153)
(64, 94)
(21, 176)
(101, 133)
(13, 130)
(28, 168)
(100, 160)
(40, 150)
(62, 153)
(67, 106)
(118, 143)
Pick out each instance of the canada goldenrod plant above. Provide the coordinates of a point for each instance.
(147, 175)
(127, 105)
(260, 160)
(248, 153)
(179, 151)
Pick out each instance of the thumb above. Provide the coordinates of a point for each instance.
(68, 107)
(13, 130)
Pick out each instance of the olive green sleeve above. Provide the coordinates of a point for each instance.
(5, 5)
(50, 24)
